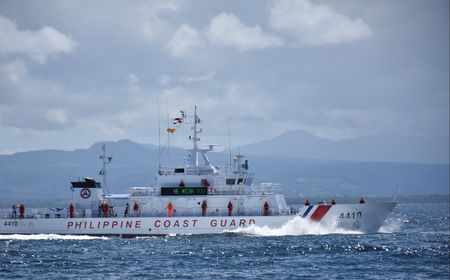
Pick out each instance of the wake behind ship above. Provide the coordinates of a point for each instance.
(195, 198)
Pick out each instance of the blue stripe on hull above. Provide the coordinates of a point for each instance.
(307, 211)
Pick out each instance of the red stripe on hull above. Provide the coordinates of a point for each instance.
(320, 212)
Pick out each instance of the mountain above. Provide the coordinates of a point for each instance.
(377, 147)
(43, 177)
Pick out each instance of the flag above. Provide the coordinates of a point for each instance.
(171, 130)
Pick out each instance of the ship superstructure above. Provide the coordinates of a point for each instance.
(199, 182)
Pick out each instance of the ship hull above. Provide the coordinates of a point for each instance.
(365, 218)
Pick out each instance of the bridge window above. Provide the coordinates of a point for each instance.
(179, 170)
(230, 181)
(240, 180)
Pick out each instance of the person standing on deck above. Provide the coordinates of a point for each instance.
(71, 210)
(21, 211)
(14, 211)
(204, 206)
(125, 214)
(169, 209)
(266, 208)
(136, 209)
(230, 208)
(105, 209)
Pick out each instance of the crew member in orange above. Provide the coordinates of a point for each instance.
(105, 209)
(307, 203)
(362, 201)
(136, 209)
(204, 206)
(266, 208)
(230, 208)
(71, 210)
(169, 209)
(21, 211)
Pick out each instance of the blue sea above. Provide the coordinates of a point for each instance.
(413, 244)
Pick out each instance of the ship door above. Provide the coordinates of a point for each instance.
(241, 206)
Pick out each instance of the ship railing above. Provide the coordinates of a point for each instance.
(166, 170)
(179, 212)
(217, 212)
(29, 214)
(233, 191)
(63, 213)
(188, 170)
(143, 191)
(226, 171)
(7, 214)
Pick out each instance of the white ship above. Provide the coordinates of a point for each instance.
(196, 198)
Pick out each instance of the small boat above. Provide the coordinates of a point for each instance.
(194, 198)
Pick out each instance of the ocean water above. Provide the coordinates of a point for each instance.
(413, 244)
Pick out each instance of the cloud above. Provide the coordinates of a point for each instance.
(167, 80)
(315, 24)
(36, 44)
(299, 22)
(184, 41)
(133, 82)
(153, 26)
(208, 77)
(14, 71)
(58, 116)
(227, 30)
(23, 118)
(111, 89)
(28, 103)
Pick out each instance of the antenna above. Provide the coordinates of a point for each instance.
(168, 136)
(105, 160)
(194, 121)
(195, 139)
(229, 139)
(159, 137)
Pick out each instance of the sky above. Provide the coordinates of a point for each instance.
(74, 72)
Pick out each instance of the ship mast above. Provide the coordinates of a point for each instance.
(195, 139)
(105, 160)
(195, 152)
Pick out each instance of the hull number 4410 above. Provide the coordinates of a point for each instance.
(348, 215)
(11, 223)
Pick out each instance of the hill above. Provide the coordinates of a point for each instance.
(377, 147)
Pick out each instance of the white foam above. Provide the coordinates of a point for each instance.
(49, 237)
(392, 225)
(296, 226)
